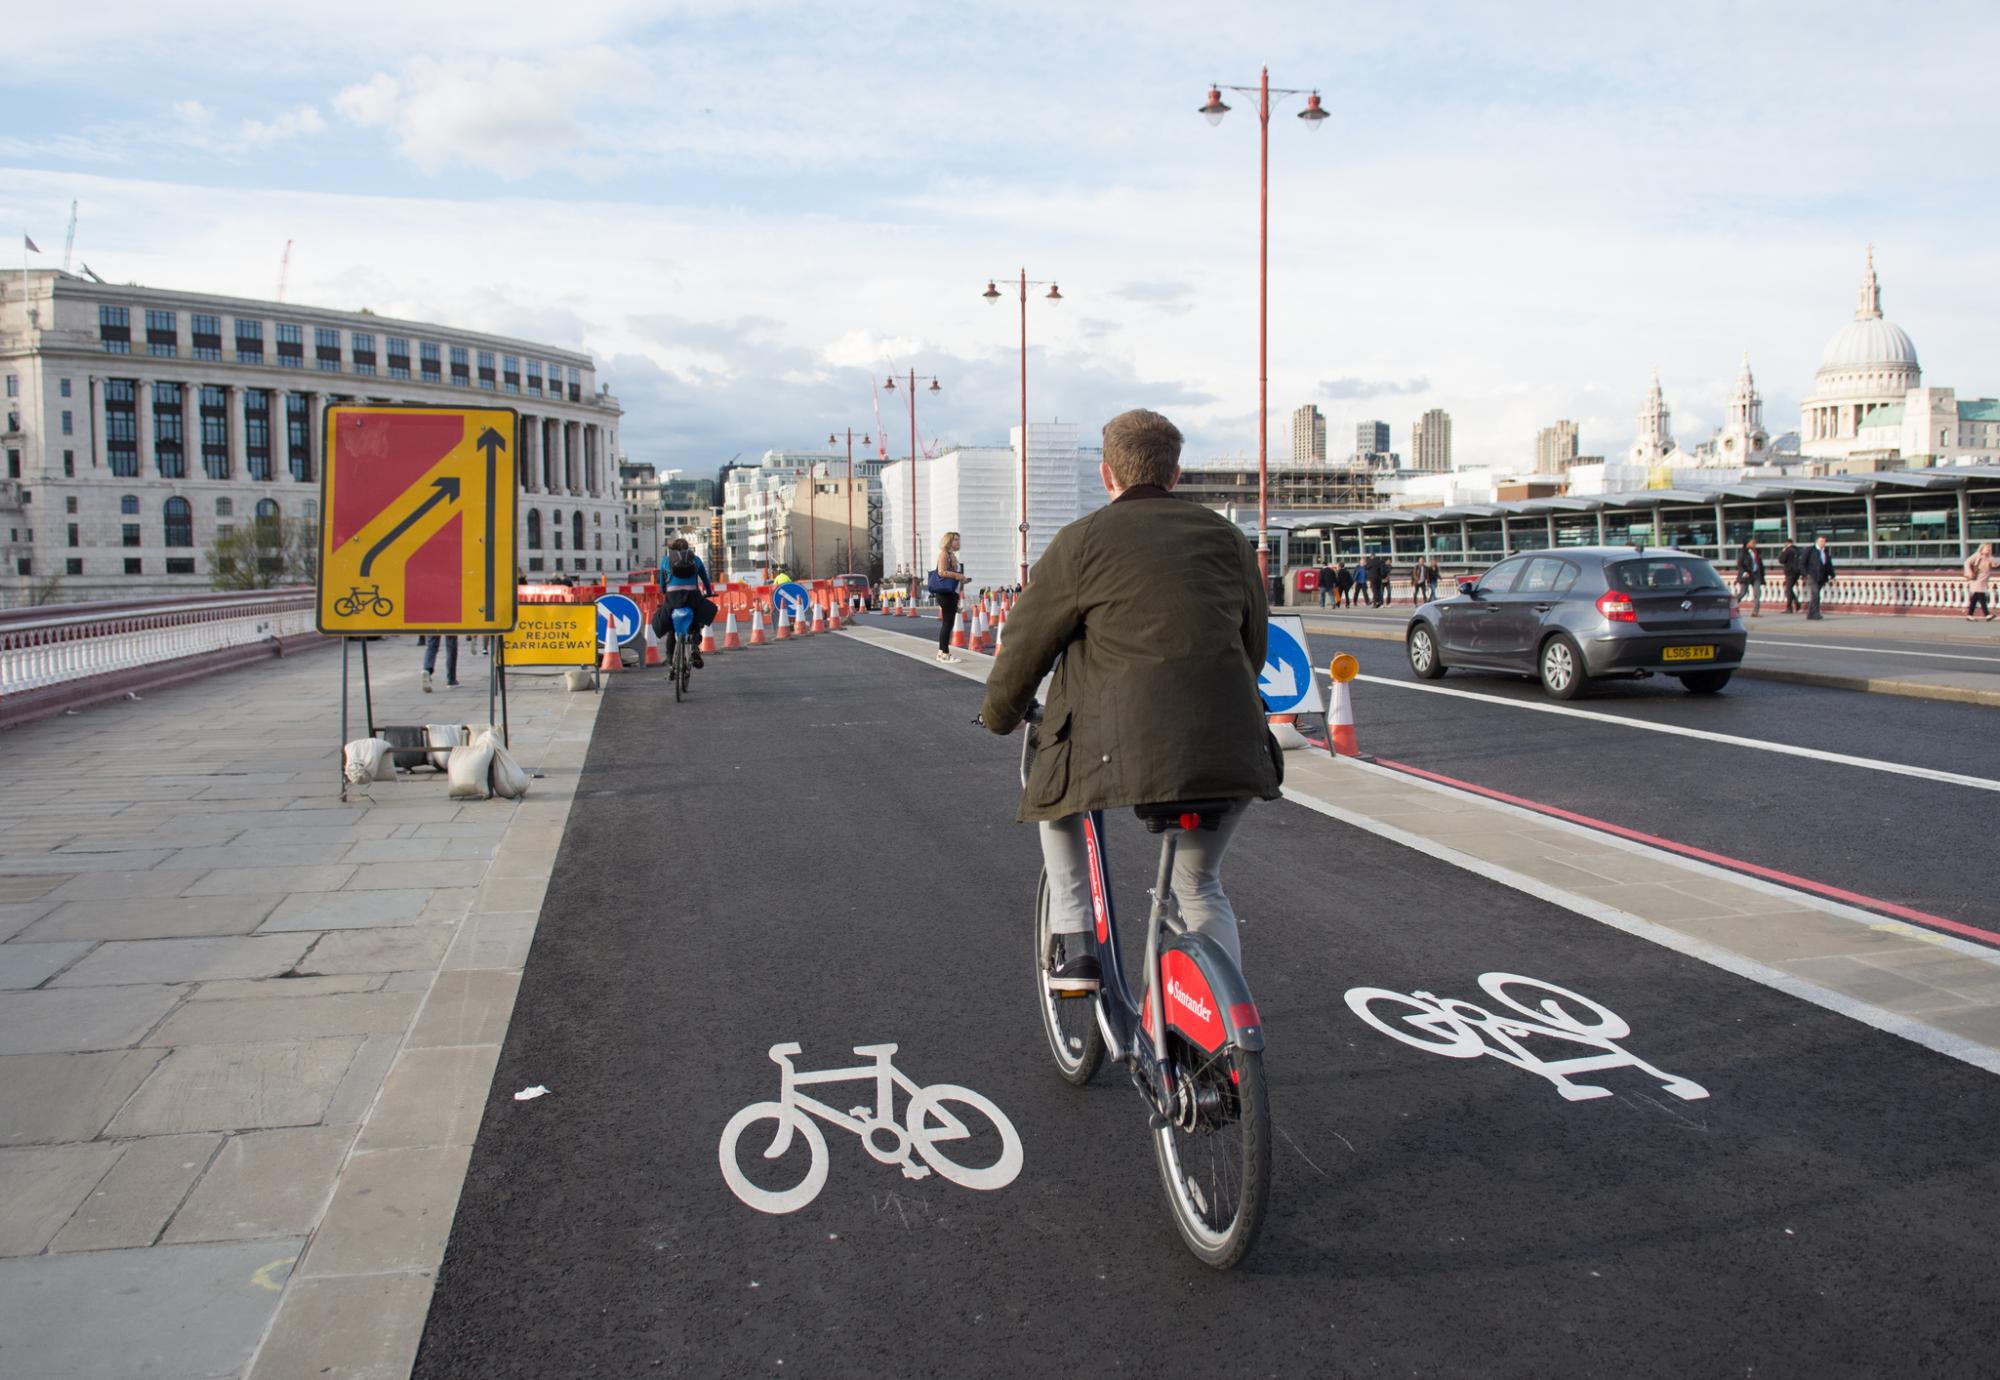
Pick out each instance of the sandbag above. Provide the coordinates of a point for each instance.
(469, 767)
(368, 759)
(580, 680)
(445, 737)
(401, 737)
(508, 779)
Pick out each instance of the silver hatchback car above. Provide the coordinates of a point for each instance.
(1583, 613)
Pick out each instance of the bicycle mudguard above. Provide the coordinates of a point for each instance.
(683, 620)
(1207, 1000)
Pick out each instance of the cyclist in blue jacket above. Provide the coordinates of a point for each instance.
(684, 577)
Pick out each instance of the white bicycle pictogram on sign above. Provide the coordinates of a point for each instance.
(926, 1122)
(1461, 1029)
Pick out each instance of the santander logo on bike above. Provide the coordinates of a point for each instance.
(1193, 1003)
(1189, 1008)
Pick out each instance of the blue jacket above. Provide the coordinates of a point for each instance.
(699, 580)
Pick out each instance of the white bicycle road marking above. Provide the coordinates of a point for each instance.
(926, 1122)
(1465, 1030)
(1949, 778)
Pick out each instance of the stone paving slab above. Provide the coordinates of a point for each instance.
(241, 1017)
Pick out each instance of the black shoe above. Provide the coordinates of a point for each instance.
(1073, 975)
(694, 660)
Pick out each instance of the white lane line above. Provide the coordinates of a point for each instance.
(1807, 644)
(1949, 778)
(1908, 1027)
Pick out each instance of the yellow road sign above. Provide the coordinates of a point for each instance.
(553, 635)
(417, 520)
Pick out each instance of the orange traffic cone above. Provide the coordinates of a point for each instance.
(708, 647)
(609, 661)
(1340, 719)
(960, 634)
(757, 638)
(653, 655)
(732, 639)
(780, 623)
(818, 624)
(979, 642)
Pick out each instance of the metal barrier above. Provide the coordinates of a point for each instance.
(57, 644)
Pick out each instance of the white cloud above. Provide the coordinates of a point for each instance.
(510, 116)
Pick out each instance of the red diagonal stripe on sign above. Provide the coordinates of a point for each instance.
(433, 579)
(378, 456)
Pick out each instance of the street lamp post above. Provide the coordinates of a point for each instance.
(890, 386)
(835, 440)
(1313, 115)
(1054, 294)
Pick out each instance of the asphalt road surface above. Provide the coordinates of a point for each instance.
(818, 848)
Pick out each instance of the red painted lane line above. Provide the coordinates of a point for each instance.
(1853, 898)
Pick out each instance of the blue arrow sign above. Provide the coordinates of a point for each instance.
(1286, 682)
(618, 620)
(792, 593)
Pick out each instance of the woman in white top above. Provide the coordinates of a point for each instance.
(948, 568)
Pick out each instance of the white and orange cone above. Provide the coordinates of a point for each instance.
(609, 661)
(757, 638)
(732, 638)
(781, 623)
(1340, 718)
(708, 647)
(961, 632)
(654, 656)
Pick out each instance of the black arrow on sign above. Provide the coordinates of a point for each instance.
(492, 443)
(447, 492)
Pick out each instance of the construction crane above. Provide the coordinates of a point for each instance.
(69, 240)
(284, 270)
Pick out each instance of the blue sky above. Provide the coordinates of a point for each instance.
(746, 211)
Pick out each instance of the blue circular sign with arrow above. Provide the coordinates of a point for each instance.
(1286, 682)
(618, 620)
(793, 595)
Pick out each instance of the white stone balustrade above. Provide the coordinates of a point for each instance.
(44, 647)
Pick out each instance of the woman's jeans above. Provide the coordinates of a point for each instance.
(947, 619)
(450, 657)
(1977, 604)
(1197, 881)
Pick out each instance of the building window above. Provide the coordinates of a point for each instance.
(429, 352)
(13, 385)
(68, 424)
(291, 346)
(74, 536)
(298, 436)
(257, 432)
(361, 347)
(63, 387)
(114, 330)
(25, 566)
(163, 333)
(134, 566)
(267, 510)
(576, 529)
(214, 432)
(69, 464)
(169, 432)
(535, 378)
(534, 563)
(73, 566)
(510, 373)
(205, 336)
(69, 504)
(180, 522)
(180, 565)
(131, 534)
(575, 384)
(128, 505)
(486, 370)
(326, 350)
(249, 341)
(461, 368)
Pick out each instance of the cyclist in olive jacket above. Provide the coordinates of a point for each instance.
(1151, 613)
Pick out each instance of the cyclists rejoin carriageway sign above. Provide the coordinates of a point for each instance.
(417, 520)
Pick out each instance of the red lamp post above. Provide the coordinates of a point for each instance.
(1054, 294)
(1313, 115)
(890, 385)
(835, 440)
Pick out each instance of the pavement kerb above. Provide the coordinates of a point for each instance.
(1872, 685)
(1395, 806)
(431, 1149)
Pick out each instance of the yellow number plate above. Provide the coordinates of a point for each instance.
(1688, 654)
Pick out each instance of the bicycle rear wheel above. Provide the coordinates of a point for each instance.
(1069, 1021)
(676, 669)
(1214, 1153)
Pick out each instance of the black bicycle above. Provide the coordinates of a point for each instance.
(680, 665)
(1204, 1083)
(357, 599)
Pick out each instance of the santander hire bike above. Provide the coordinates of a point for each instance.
(1191, 1040)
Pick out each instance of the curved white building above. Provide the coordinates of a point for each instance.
(1871, 362)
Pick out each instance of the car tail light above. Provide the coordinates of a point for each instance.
(1616, 607)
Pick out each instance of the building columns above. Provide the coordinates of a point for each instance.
(95, 387)
(237, 412)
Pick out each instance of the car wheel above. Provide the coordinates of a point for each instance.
(1706, 682)
(1561, 663)
(1423, 650)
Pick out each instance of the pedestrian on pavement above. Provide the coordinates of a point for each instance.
(1791, 560)
(1750, 577)
(1343, 582)
(1431, 580)
(1978, 579)
(1384, 575)
(1324, 578)
(450, 660)
(1819, 573)
(947, 582)
(1154, 696)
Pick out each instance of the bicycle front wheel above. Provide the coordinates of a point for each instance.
(1069, 1020)
(677, 671)
(1214, 1152)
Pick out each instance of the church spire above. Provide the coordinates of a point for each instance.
(1871, 292)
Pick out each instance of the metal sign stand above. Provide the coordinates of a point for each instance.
(367, 701)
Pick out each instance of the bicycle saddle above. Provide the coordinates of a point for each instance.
(1174, 814)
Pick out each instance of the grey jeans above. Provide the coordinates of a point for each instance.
(1197, 879)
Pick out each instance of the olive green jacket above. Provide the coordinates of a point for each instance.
(1152, 614)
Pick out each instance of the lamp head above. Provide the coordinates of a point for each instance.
(889, 384)
(934, 386)
(992, 293)
(1054, 294)
(1313, 114)
(1215, 109)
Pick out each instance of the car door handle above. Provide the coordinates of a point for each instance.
(1543, 608)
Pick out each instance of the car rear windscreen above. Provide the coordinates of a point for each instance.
(1661, 575)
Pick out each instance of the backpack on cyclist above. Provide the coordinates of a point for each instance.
(682, 564)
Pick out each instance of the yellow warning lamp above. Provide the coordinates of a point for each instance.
(1344, 668)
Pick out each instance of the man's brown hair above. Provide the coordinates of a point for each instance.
(1142, 447)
